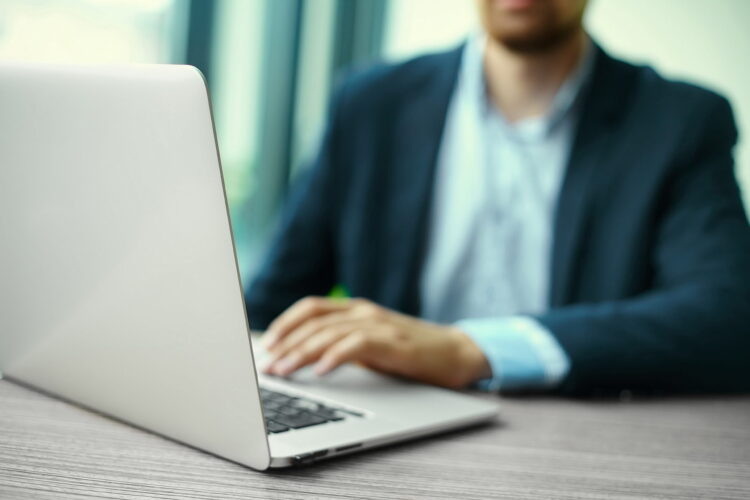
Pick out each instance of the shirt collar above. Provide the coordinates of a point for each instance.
(472, 81)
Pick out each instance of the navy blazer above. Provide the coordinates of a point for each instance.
(650, 285)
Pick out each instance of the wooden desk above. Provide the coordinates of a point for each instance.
(545, 448)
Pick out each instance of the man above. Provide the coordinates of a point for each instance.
(557, 219)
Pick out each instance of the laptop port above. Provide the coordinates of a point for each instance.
(348, 447)
(307, 458)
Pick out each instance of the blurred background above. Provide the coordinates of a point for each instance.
(271, 64)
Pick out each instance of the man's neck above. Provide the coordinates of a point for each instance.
(524, 85)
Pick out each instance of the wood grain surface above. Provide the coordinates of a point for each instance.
(542, 448)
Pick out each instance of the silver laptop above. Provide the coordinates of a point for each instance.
(120, 289)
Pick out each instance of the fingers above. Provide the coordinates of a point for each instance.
(308, 351)
(333, 347)
(331, 332)
(304, 331)
(353, 347)
(300, 312)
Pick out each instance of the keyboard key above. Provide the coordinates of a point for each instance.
(303, 419)
(328, 414)
(270, 414)
(272, 405)
(290, 411)
(275, 427)
(283, 412)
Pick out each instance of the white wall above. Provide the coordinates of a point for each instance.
(703, 41)
(415, 26)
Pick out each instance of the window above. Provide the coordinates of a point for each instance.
(236, 59)
(270, 65)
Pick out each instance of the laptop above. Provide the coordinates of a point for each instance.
(120, 287)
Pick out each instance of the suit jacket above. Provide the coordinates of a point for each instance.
(650, 285)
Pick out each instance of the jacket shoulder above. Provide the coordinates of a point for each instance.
(680, 98)
(674, 111)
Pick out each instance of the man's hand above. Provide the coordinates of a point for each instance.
(330, 332)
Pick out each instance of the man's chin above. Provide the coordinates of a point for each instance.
(535, 43)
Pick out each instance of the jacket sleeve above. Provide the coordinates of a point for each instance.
(691, 332)
(300, 259)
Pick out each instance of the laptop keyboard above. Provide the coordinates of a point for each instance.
(283, 412)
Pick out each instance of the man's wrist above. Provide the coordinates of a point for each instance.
(521, 352)
(474, 364)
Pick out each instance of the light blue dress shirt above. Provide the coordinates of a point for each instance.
(489, 253)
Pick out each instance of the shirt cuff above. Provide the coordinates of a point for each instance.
(521, 352)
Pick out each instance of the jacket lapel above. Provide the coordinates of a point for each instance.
(417, 136)
(604, 100)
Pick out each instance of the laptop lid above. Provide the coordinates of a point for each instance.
(120, 289)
